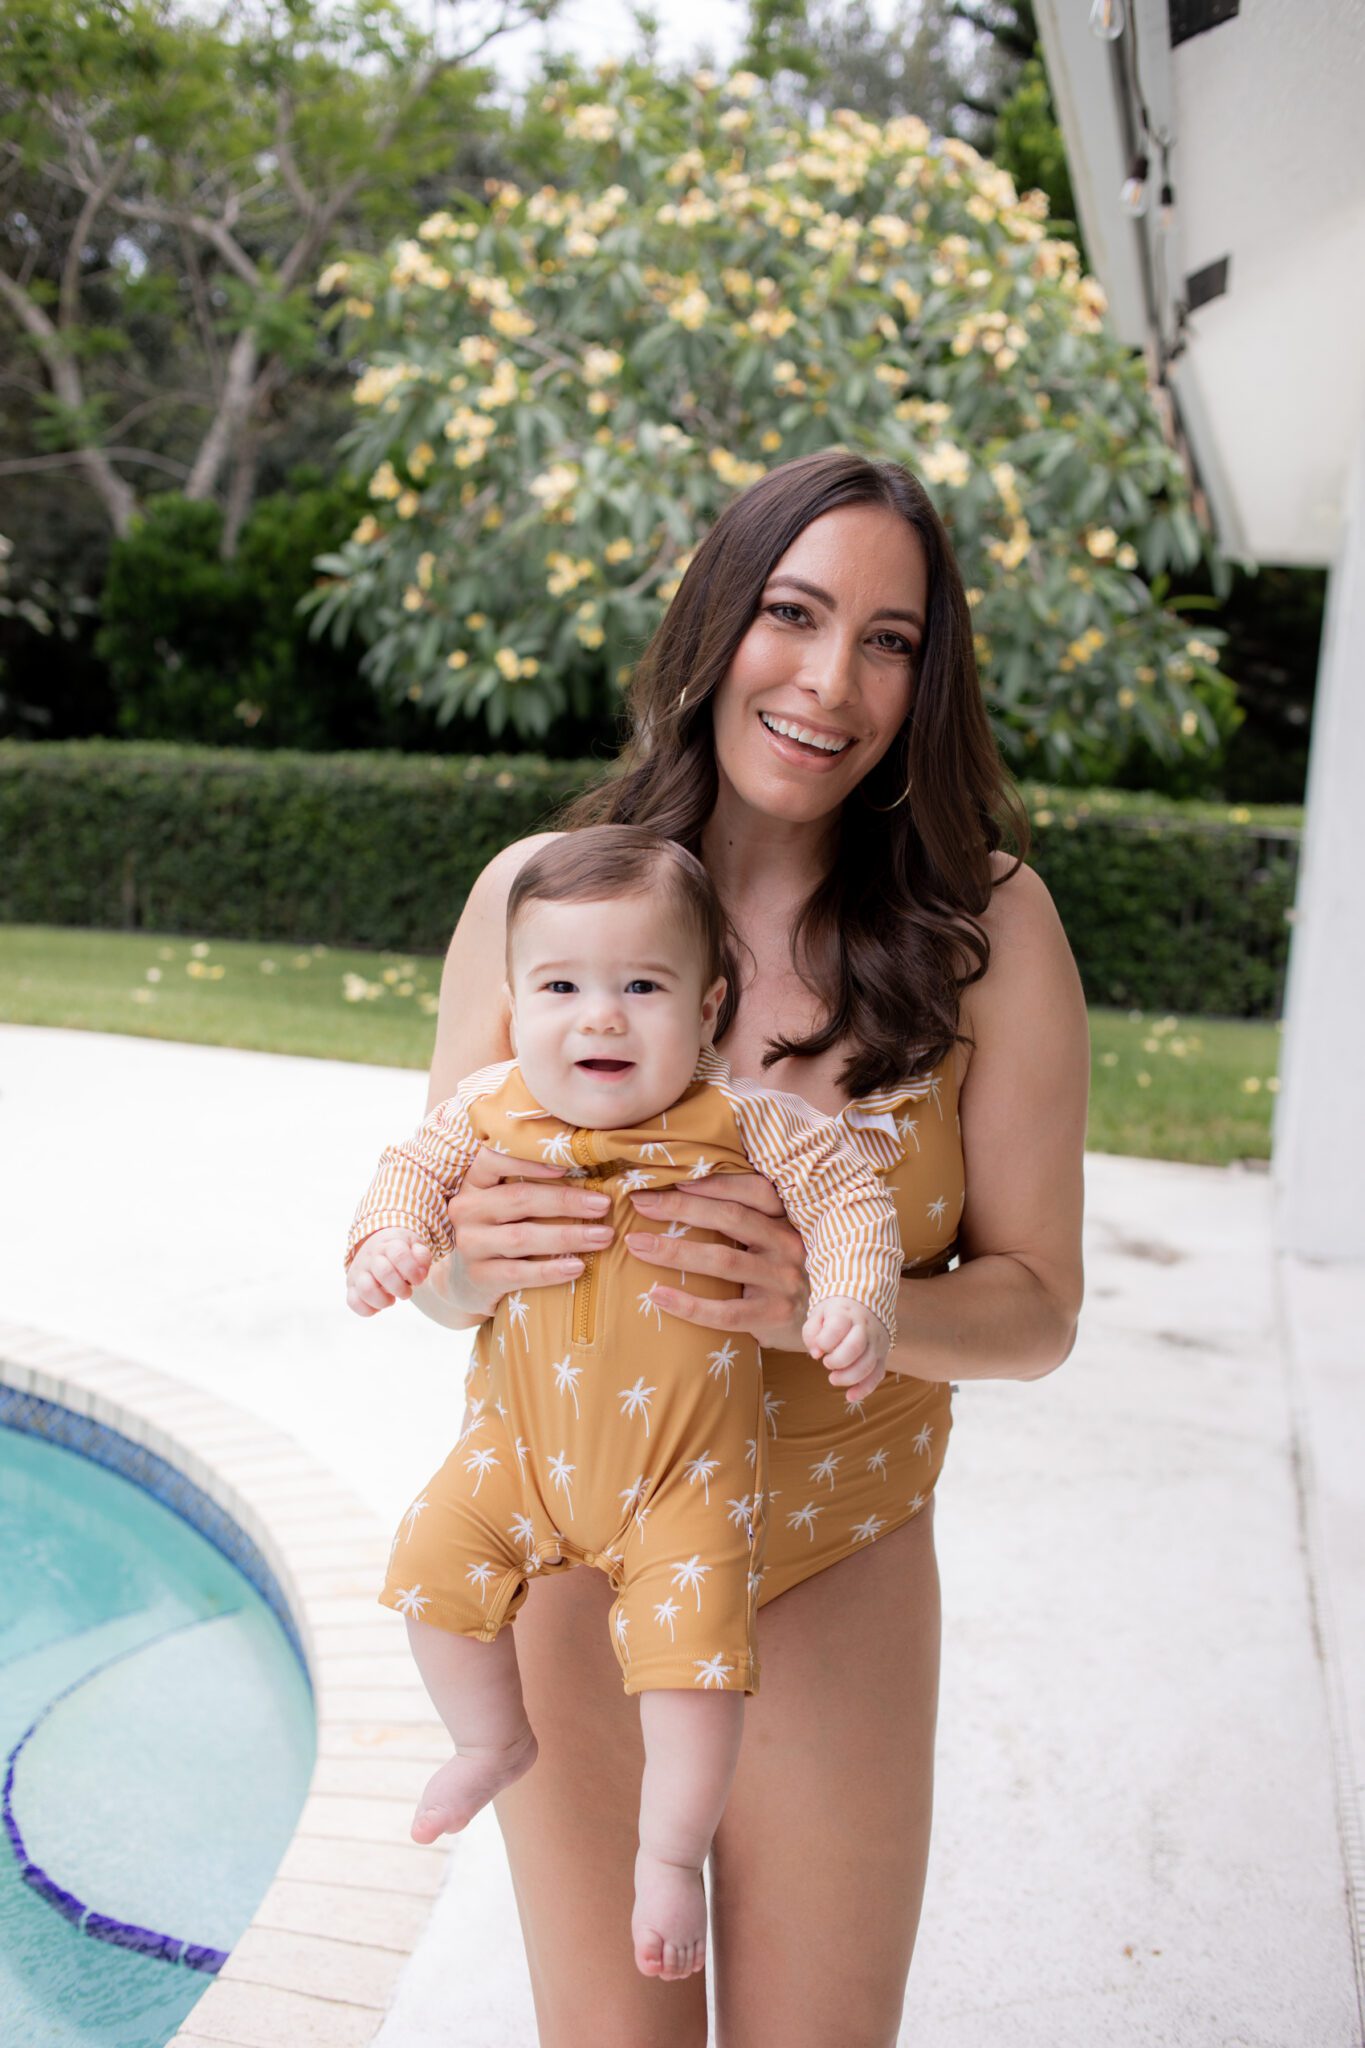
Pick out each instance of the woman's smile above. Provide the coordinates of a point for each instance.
(791, 749)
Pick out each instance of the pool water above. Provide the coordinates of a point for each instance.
(156, 1738)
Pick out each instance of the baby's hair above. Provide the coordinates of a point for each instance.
(599, 862)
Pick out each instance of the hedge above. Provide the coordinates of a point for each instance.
(1172, 905)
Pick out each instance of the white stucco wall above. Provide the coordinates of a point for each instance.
(1318, 1161)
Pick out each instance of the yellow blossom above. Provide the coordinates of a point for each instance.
(421, 459)
(619, 550)
(590, 636)
(770, 442)
(1101, 542)
(475, 620)
(406, 506)
(384, 483)
(946, 463)
(333, 277)
(368, 530)
(601, 363)
(412, 599)
(594, 122)
(459, 659)
(742, 85)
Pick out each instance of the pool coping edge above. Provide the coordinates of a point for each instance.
(267, 1993)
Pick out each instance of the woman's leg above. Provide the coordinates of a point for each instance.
(571, 1827)
(817, 1873)
(691, 1749)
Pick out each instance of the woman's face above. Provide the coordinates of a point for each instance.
(833, 651)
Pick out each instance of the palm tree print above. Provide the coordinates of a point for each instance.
(771, 1404)
(523, 1530)
(804, 1518)
(636, 1178)
(868, 1531)
(636, 1399)
(751, 1449)
(558, 1151)
(567, 1374)
(936, 1209)
(665, 1613)
(923, 1440)
(481, 1574)
(702, 1468)
(722, 1361)
(825, 1468)
(520, 1448)
(742, 1513)
(701, 1169)
(517, 1310)
(711, 1671)
(561, 1473)
(646, 1304)
(908, 1127)
(656, 1152)
(916, 1504)
(411, 1600)
(691, 1574)
(411, 1517)
(877, 1463)
(622, 1624)
(480, 1462)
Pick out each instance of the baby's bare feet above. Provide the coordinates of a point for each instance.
(668, 1926)
(471, 1778)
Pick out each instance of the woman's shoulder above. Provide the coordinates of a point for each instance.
(1030, 960)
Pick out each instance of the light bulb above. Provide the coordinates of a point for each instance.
(1166, 216)
(1107, 19)
(1133, 195)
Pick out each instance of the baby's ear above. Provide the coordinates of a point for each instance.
(710, 1009)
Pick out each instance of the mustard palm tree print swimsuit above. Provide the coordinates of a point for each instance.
(600, 1430)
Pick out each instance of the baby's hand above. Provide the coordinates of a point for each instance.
(387, 1266)
(853, 1343)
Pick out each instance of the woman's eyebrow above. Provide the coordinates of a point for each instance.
(814, 590)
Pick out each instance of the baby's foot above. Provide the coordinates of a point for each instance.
(471, 1778)
(668, 1926)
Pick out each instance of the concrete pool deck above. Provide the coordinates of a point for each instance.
(1152, 1721)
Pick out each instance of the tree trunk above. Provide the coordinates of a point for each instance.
(226, 427)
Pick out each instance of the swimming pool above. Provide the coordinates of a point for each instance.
(156, 1729)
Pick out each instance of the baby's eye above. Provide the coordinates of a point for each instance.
(641, 981)
(552, 985)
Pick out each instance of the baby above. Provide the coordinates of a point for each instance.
(599, 1430)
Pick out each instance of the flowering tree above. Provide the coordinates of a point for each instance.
(565, 384)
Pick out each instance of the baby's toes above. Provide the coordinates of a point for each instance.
(650, 1952)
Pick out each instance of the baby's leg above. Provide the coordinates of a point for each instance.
(476, 1689)
(691, 1748)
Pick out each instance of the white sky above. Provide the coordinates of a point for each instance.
(594, 29)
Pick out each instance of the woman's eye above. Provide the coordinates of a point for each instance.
(902, 646)
(798, 609)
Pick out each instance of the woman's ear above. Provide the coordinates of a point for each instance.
(710, 1009)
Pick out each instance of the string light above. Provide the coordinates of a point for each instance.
(1107, 19)
(1133, 196)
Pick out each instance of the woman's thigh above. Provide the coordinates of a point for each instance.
(817, 1872)
(571, 1827)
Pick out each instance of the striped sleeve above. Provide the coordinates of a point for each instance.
(830, 1192)
(415, 1179)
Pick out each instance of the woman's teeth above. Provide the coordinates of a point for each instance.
(802, 733)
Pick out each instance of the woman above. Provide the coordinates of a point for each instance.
(883, 936)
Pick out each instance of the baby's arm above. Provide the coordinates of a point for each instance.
(847, 1220)
(401, 1221)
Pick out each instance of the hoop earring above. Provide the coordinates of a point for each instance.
(899, 800)
(682, 698)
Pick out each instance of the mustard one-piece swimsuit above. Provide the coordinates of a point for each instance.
(839, 1476)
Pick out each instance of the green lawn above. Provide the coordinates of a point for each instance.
(1162, 1087)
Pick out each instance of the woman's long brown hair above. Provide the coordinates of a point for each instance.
(887, 934)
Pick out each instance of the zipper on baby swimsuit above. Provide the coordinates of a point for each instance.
(585, 1286)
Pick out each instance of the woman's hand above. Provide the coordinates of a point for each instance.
(768, 1257)
(516, 1224)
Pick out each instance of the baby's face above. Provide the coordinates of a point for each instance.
(608, 1008)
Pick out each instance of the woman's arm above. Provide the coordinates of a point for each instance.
(1009, 1310)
